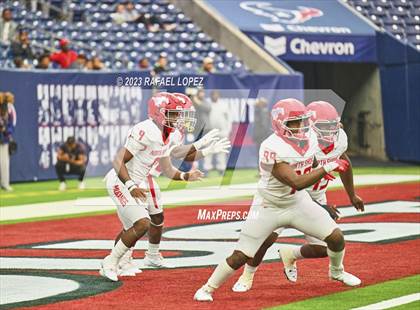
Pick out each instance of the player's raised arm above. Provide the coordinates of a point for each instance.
(171, 172)
(286, 174)
(347, 179)
(207, 145)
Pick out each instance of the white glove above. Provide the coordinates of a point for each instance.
(338, 165)
(207, 139)
(221, 146)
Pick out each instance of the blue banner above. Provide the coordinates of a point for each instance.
(316, 30)
(292, 47)
(99, 108)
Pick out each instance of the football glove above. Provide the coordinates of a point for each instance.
(221, 146)
(207, 139)
(338, 165)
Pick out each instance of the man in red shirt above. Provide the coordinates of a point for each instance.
(66, 57)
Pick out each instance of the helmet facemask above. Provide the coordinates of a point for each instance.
(180, 119)
(297, 127)
(327, 131)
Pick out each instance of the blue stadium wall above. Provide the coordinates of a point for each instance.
(53, 105)
(399, 66)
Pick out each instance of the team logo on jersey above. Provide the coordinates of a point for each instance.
(279, 15)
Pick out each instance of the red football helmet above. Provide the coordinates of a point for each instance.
(188, 117)
(288, 110)
(169, 110)
(326, 121)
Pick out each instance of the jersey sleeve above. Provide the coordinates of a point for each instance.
(343, 141)
(136, 140)
(267, 155)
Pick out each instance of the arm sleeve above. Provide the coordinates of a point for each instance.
(136, 143)
(267, 156)
(134, 146)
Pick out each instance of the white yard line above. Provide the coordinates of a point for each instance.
(88, 205)
(390, 303)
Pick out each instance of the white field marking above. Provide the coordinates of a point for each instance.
(211, 253)
(18, 288)
(230, 230)
(86, 205)
(390, 303)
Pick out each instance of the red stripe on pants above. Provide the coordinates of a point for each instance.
(152, 190)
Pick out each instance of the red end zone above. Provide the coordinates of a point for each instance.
(174, 288)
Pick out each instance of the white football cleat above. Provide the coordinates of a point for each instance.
(155, 261)
(289, 262)
(243, 284)
(108, 269)
(62, 186)
(203, 295)
(345, 277)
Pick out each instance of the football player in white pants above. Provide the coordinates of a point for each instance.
(332, 142)
(147, 143)
(207, 145)
(286, 159)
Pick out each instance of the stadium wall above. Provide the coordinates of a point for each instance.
(52, 105)
(358, 85)
(399, 66)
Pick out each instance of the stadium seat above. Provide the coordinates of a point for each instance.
(413, 29)
(399, 17)
(186, 46)
(363, 3)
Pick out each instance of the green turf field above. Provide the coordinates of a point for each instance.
(363, 296)
(46, 191)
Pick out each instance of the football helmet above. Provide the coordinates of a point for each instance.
(170, 110)
(288, 110)
(188, 114)
(325, 120)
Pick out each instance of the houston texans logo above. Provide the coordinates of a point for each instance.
(279, 15)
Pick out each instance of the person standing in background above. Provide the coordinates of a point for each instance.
(202, 108)
(8, 27)
(219, 118)
(71, 159)
(208, 65)
(262, 123)
(21, 48)
(7, 126)
(161, 65)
